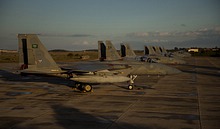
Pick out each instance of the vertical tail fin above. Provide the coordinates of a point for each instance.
(111, 52)
(158, 50)
(101, 51)
(154, 49)
(161, 50)
(149, 50)
(126, 51)
(146, 50)
(164, 50)
(123, 50)
(34, 56)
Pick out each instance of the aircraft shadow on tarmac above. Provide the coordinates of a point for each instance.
(69, 118)
(13, 77)
(136, 87)
(203, 70)
(203, 73)
(204, 67)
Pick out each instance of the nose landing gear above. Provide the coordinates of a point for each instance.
(131, 85)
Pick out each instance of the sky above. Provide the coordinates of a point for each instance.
(80, 24)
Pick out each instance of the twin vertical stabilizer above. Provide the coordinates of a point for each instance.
(107, 51)
(34, 57)
(126, 51)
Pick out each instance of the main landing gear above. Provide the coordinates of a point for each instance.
(84, 87)
(131, 85)
(80, 86)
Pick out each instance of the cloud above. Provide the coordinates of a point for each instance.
(156, 41)
(202, 32)
(202, 37)
(164, 34)
(80, 35)
(149, 34)
(213, 32)
(138, 34)
(183, 25)
(64, 35)
(85, 43)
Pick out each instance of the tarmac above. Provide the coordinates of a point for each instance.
(189, 100)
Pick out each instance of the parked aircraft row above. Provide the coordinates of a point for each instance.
(156, 50)
(153, 54)
(110, 68)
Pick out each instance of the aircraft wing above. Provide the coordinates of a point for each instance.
(92, 66)
(81, 67)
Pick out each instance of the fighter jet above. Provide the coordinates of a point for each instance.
(128, 54)
(151, 52)
(108, 53)
(176, 54)
(160, 51)
(35, 59)
(180, 54)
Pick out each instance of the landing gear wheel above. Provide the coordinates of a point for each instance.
(130, 87)
(87, 88)
(79, 87)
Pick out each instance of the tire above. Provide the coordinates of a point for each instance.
(130, 87)
(87, 88)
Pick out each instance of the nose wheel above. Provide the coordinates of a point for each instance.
(130, 87)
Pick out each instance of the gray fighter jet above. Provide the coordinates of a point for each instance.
(108, 53)
(180, 54)
(160, 50)
(157, 56)
(128, 54)
(176, 54)
(35, 59)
